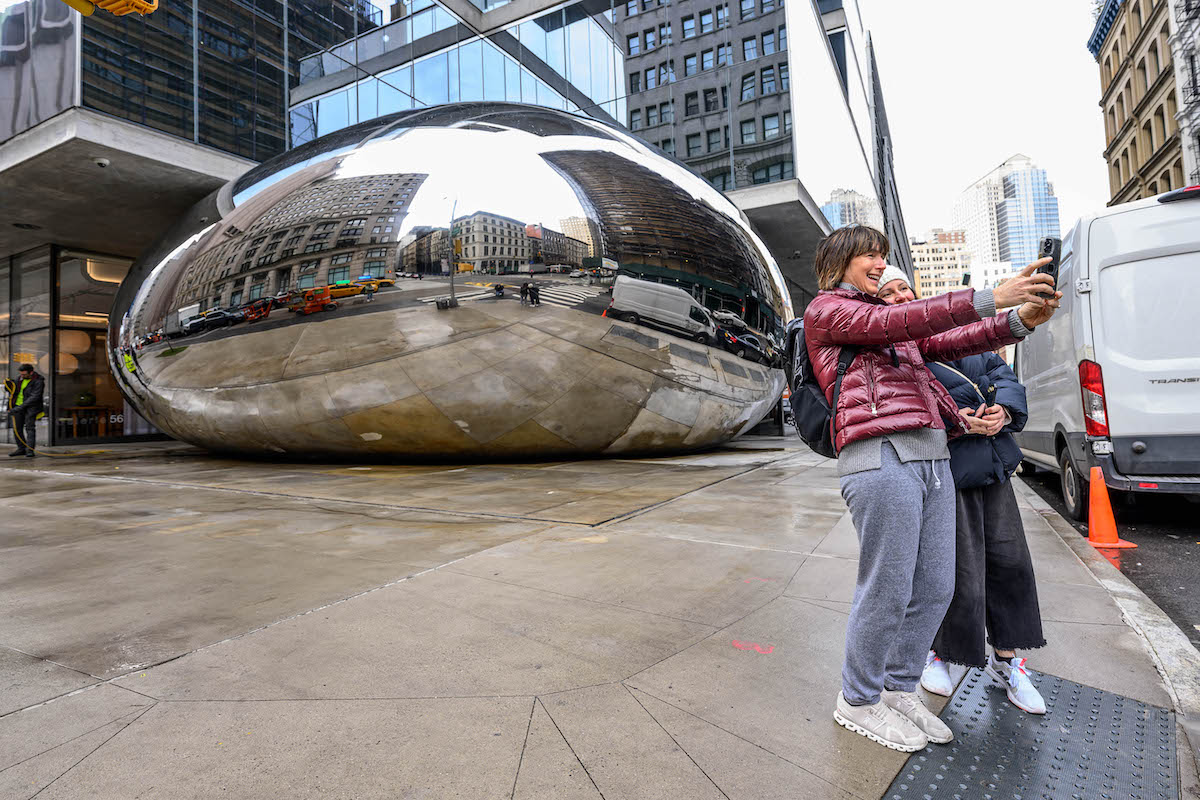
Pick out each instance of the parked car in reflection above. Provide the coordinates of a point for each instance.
(345, 289)
(374, 284)
(744, 345)
(257, 309)
(657, 305)
(212, 319)
(310, 301)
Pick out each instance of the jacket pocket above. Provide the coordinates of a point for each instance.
(871, 387)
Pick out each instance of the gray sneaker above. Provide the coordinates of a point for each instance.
(909, 705)
(880, 724)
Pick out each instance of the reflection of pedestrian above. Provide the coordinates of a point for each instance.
(369, 291)
(525, 293)
(535, 295)
(24, 405)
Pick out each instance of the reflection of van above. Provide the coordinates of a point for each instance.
(1113, 380)
(667, 308)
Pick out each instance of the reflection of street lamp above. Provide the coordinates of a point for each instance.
(452, 302)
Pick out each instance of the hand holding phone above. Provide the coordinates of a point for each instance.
(1050, 247)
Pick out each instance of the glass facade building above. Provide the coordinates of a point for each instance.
(1028, 212)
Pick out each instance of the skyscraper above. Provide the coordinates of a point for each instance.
(1006, 212)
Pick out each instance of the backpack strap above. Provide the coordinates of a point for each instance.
(845, 358)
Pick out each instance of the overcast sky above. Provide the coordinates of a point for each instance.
(968, 84)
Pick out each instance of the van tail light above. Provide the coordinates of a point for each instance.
(1095, 411)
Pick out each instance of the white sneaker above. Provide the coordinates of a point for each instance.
(1015, 680)
(935, 679)
(910, 706)
(881, 724)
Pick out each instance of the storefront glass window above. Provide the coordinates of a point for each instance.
(30, 303)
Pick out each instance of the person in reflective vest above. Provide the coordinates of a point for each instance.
(24, 406)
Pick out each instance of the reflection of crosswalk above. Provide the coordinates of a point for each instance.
(460, 297)
(567, 296)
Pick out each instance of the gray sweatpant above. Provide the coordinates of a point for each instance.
(904, 516)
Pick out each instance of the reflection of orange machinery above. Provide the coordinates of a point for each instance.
(259, 309)
(117, 8)
(310, 301)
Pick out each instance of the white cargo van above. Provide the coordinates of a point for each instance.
(1113, 380)
(658, 305)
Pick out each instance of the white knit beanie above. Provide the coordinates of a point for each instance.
(890, 274)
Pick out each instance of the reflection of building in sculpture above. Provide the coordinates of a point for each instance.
(423, 250)
(583, 230)
(332, 230)
(940, 262)
(492, 243)
(548, 246)
(657, 231)
(848, 207)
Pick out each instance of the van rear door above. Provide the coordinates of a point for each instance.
(1146, 333)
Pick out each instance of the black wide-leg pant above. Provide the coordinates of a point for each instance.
(995, 593)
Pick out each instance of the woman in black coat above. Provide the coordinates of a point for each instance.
(995, 593)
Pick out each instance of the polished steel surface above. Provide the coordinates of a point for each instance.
(363, 294)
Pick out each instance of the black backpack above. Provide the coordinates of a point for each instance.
(813, 415)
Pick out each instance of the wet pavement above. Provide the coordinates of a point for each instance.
(1167, 558)
(181, 625)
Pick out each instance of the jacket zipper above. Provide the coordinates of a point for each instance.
(965, 378)
(871, 387)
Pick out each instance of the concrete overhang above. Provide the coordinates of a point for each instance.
(49, 179)
(791, 223)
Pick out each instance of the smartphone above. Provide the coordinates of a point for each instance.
(1050, 247)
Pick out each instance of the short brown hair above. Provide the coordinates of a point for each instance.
(838, 249)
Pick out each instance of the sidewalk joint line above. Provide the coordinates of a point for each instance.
(72, 739)
(524, 744)
(674, 740)
(567, 742)
(90, 752)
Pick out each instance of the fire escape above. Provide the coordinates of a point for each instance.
(1187, 13)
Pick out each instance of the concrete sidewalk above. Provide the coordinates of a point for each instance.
(181, 626)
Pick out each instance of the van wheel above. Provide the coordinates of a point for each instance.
(741, 352)
(630, 317)
(702, 338)
(1074, 490)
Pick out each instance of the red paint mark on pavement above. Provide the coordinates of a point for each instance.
(755, 646)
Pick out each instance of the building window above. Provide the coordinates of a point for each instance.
(783, 77)
(373, 268)
(633, 45)
(724, 97)
(770, 126)
(651, 116)
(631, 8)
(748, 131)
(710, 100)
(706, 59)
(339, 274)
(779, 171)
(635, 82)
(706, 22)
(691, 104)
(668, 146)
(256, 289)
(722, 55)
(635, 120)
(341, 258)
(714, 140)
(749, 49)
(666, 112)
(689, 27)
(721, 16)
(783, 37)
(747, 9)
(768, 80)
(693, 144)
(315, 247)
(748, 86)
(377, 253)
(666, 73)
(650, 39)
(768, 43)
(787, 122)
(768, 6)
(689, 65)
(720, 180)
(235, 299)
(664, 33)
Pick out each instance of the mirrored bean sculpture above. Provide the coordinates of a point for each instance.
(470, 281)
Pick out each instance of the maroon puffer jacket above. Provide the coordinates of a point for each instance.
(888, 388)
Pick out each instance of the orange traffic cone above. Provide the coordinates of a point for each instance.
(1102, 528)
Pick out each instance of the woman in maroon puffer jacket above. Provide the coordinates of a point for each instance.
(890, 434)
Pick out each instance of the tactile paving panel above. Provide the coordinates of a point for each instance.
(1090, 745)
